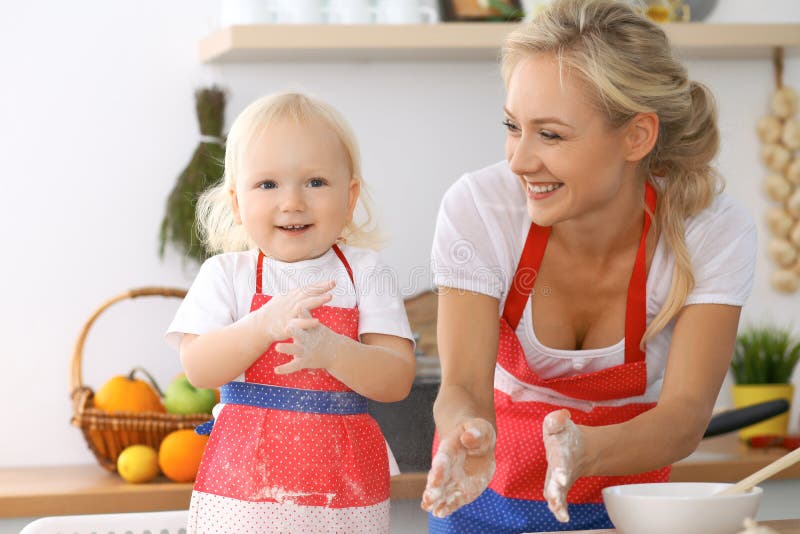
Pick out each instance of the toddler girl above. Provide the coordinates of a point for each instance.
(293, 448)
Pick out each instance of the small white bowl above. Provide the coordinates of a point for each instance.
(679, 507)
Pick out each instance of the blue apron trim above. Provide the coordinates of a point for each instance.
(288, 399)
(494, 513)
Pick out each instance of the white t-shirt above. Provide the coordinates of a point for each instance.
(481, 228)
(223, 290)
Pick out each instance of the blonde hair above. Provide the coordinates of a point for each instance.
(626, 61)
(214, 214)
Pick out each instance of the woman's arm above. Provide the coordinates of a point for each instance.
(467, 337)
(699, 356)
(467, 334)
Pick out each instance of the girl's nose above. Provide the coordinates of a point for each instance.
(522, 156)
(292, 200)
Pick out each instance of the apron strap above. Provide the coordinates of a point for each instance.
(346, 264)
(336, 249)
(636, 307)
(525, 275)
(635, 313)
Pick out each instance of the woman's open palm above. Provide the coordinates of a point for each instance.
(461, 469)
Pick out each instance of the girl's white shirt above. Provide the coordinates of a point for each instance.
(481, 228)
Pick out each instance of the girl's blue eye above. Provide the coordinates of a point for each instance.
(316, 182)
(269, 184)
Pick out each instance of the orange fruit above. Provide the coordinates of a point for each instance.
(129, 394)
(180, 453)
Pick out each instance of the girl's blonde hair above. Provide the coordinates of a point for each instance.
(214, 214)
(627, 64)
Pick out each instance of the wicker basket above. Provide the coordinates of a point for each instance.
(107, 434)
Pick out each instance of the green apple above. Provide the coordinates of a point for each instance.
(181, 397)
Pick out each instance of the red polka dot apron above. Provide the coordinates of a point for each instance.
(296, 452)
(514, 500)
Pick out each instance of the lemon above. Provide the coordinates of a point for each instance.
(138, 463)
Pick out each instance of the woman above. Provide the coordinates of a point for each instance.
(616, 265)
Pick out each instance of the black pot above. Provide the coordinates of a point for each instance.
(408, 424)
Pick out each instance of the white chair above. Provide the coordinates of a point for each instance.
(173, 522)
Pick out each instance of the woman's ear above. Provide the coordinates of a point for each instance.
(237, 217)
(641, 134)
(354, 189)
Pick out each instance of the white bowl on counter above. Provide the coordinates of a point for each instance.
(679, 507)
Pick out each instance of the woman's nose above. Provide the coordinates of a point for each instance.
(522, 156)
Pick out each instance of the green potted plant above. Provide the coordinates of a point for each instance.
(762, 365)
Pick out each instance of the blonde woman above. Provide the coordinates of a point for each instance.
(617, 268)
(293, 448)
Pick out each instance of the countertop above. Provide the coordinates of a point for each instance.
(85, 489)
(783, 526)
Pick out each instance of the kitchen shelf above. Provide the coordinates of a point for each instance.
(459, 41)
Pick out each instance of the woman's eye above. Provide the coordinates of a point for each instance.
(317, 182)
(510, 126)
(548, 135)
(269, 184)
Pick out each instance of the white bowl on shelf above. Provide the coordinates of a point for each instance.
(679, 507)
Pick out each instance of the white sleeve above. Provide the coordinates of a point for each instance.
(381, 309)
(723, 250)
(209, 305)
(463, 256)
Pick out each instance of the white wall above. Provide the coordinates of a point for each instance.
(98, 120)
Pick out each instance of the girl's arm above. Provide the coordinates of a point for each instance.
(699, 357)
(380, 367)
(467, 336)
(217, 357)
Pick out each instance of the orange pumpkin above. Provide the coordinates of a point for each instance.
(128, 394)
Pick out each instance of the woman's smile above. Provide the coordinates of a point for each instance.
(540, 191)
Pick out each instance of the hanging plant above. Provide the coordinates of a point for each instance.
(204, 170)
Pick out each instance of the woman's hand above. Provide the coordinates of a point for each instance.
(564, 446)
(276, 315)
(461, 469)
(314, 345)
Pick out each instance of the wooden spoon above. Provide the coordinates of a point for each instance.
(744, 485)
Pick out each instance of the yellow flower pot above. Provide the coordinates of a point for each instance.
(747, 394)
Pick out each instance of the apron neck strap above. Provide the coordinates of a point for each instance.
(336, 249)
(531, 260)
(636, 307)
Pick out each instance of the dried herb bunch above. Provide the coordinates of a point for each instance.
(204, 169)
(765, 355)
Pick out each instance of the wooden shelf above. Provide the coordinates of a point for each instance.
(458, 41)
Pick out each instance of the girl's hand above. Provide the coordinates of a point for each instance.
(564, 445)
(461, 469)
(276, 314)
(314, 346)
